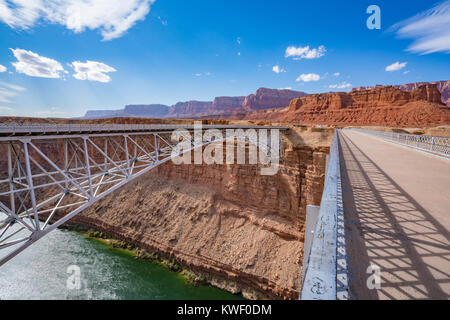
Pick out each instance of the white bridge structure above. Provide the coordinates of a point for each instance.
(50, 173)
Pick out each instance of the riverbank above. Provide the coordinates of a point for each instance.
(193, 277)
(44, 270)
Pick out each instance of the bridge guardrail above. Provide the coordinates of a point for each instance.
(439, 146)
(325, 277)
(14, 128)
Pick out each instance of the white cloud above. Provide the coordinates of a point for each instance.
(307, 77)
(2, 68)
(396, 66)
(11, 86)
(342, 85)
(429, 29)
(305, 52)
(406, 72)
(6, 111)
(53, 112)
(34, 65)
(8, 91)
(92, 71)
(277, 69)
(336, 74)
(5, 95)
(287, 88)
(206, 74)
(238, 53)
(163, 22)
(112, 17)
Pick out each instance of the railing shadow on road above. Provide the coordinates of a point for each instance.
(387, 228)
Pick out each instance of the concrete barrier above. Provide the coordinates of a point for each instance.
(325, 262)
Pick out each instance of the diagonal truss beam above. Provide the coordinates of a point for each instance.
(51, 179)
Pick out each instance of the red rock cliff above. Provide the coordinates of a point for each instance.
(442, 86)
(183, 109)
(386, 106)
(270, 98)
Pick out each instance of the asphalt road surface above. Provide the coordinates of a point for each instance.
(397, 211)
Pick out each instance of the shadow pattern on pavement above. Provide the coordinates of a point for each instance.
(387, 228)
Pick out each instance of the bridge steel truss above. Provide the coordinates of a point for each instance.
(51, 178)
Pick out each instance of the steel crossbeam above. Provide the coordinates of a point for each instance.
(50, 178)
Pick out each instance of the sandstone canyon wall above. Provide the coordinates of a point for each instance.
(442, 86)
(270, 98)
(183, 109)
(227, 104)
(384, 106)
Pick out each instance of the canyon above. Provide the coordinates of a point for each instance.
(242, 231)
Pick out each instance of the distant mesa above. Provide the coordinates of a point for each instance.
(157, 110)
(221, 106)
(270, 98)
(96, 114)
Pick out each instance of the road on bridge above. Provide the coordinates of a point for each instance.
(397, 211)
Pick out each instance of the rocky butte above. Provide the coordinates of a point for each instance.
(385, 106)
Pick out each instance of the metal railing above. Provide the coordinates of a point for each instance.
(18, 128)
(325, 277)
(439, 146)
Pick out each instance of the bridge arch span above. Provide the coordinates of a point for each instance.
(53, 175)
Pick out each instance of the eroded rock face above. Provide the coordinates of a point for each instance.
(386, 106)
(270, 98)
(227, 103)
(442, 86)
(189, 108)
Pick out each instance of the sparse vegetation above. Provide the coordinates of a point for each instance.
(194, 278)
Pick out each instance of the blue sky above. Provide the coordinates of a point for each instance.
(62, 62)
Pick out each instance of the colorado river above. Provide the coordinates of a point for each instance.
(41, 272)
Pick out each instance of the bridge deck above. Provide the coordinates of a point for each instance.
(397, 210)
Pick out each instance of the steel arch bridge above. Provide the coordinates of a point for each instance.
(53, 172)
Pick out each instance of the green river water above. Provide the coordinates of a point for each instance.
(41, 272)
